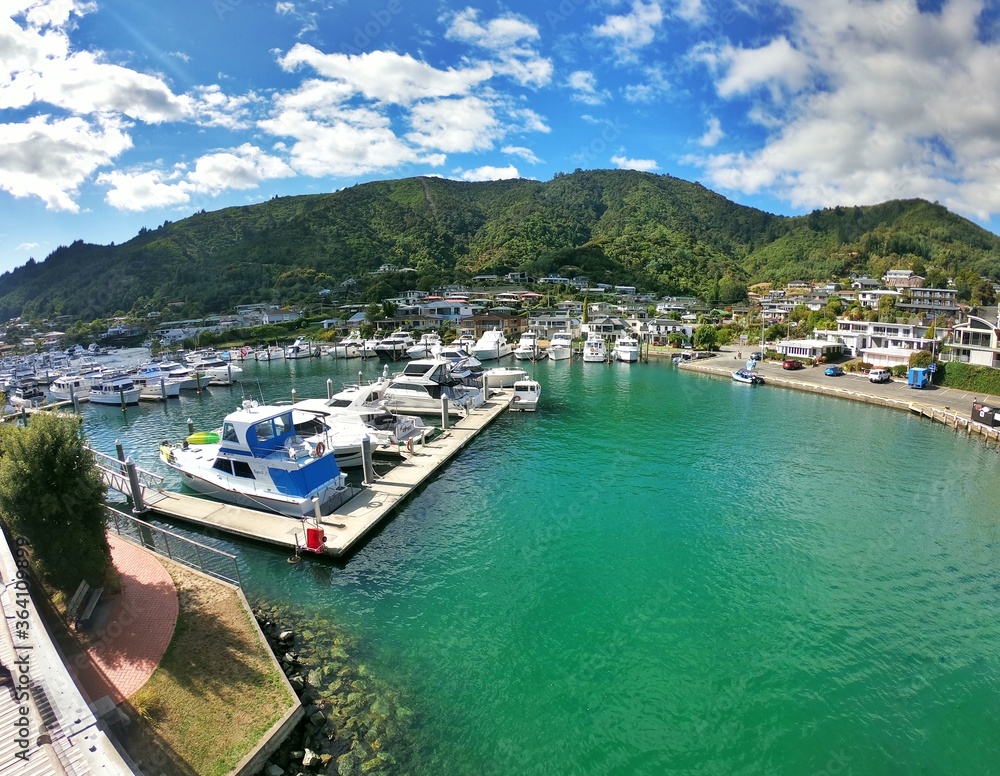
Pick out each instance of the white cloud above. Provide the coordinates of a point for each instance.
(525, 153)
(28, 246)
(489, 173)
(868, 101)
(634, 30)
(712, 135)
(240, 168)
(51, 159)
(504, 38)
(453, 126)
(692, 11)
(652, 89)
(643, 165)
(584, 86)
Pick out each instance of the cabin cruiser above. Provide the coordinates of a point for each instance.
(395, 347)
(218, 371)
(626, 349)
(420, 387)
(561, 346)
(299, 349)
(272, 353)
(260, 461)
(115, 388)
(70, 386)
(27, 393)
(492, 345)
(526, 394)
(188, 378)
(594, 348)
(527, 348)
(504, 376)
(425, 346)
(151, 376)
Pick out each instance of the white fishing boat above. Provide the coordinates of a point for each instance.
(626, 349)
(561, 346)
(748, 376)
(527, 348)
(258, 460)
(594, 348)
(504, 376)
(491, 346)
(526, 395)
(115, 388)
(70, 386)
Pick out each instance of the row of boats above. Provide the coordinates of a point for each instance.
(289, 458)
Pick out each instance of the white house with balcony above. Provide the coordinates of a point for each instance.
(975, 341)
(902, 278)
(548, 322)
(870, 297)
(930, 302)
(881, 344)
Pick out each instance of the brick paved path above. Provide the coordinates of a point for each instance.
(137, 631)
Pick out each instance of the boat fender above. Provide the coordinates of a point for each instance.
(409, 445)
(320, 449)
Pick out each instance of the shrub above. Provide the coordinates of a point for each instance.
(968, 377)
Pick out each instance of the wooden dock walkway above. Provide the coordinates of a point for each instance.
(345, 526)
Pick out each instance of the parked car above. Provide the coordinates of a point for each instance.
(833, 371)
(756, 356)
(792, 363)
(880, 376)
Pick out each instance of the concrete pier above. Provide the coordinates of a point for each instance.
(347, 525)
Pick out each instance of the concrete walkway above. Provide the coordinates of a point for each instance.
(137, 631)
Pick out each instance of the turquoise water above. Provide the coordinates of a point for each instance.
(663, 571)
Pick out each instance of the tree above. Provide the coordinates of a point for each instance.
(51, 494)
(706, 336)
(921, 358)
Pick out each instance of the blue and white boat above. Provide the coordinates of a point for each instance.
(261, 462)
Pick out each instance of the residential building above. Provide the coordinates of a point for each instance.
(881, 344)
(930, 302)
(872, 296)
(902, 278)
(975, 341)
(809, 348)
(548, 322)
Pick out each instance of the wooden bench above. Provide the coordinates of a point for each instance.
(74, 603)
(83, 621)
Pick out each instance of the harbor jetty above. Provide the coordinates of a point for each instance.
(949, 406)
(340, 530)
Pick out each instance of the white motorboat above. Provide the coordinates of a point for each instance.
(272, 353)
(115, 388)
(526, 395)
(527, 348)
(218, 371)
(189, 379)
(626, 349)
(156, 382)
(748, 376)
(491, 346)
(259, 461)
(421, 385)
(367, 349)
(561, 346)
(348, 347)
(395, 347)
(594, 348)
(26, 394)
(425, 346)
(299, 349)
(70, 386)
(504, 376)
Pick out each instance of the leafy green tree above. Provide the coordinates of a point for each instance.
(706, 336)
(52, 495)
(935, 278)
(921, 358)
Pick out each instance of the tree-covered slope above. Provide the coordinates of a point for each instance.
(656, 232)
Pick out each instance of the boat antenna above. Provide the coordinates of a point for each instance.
(261, 392)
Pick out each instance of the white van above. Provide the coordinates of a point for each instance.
(879, 375)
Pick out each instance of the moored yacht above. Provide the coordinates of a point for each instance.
(421, 385)
(261, 462)
(526, 395)
(527, 348)
(626, 349)
(594, 348)
(561, 346)
(395, 347)
(425, 346)
(115, 388)
(70, 386)
(491, 346)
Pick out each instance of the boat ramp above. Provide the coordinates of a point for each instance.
(342, 529)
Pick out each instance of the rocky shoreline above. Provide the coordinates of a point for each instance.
(353, 724)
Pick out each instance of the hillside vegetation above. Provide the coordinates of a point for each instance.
(656, 232)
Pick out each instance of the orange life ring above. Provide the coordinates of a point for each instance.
(409, 445)
(320, 449)
(517, 398)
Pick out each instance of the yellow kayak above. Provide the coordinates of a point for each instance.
(203, 438)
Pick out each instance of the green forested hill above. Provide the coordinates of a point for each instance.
(656, 232)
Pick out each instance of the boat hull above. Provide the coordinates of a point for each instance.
(128, 396)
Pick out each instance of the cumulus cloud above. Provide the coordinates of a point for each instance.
(583, 84)
(633, 30)
(245, 167)
(489, 173)
(506, 40)
(712, 135)
(643, 165)
(525, 153)
(51, 158)
(27, 246)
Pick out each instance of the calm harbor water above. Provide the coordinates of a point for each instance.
(664, 571)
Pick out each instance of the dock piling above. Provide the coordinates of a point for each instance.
(190, 426)
(367, 466)
(329, 389)
(138, 504)
(444, 411)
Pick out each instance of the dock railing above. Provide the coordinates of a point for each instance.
(117, 474)
(175, 547)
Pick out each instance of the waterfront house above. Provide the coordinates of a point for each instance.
(809, 348)
(881, 344)
(975, 341)
(548, 322)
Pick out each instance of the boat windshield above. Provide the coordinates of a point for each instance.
(229, 432)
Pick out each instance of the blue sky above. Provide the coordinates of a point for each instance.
(117, 114)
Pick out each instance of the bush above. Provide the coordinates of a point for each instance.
(968, 377)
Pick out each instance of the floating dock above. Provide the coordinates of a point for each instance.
(345, 526)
